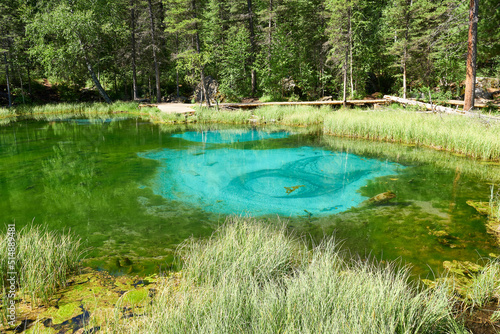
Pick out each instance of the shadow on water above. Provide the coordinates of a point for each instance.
(134, 191)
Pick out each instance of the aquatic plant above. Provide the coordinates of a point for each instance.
(252, 278)
(43, 261)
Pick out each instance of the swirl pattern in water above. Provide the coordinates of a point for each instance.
(285, 181)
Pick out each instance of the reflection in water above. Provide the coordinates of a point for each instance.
(229, 136)
(260, 182)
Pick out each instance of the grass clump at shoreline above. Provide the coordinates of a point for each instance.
(252, 278)
(43, 261)
(469, 136)
(77, 109)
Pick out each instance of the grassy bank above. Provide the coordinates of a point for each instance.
(469, 136)
(252, 278)
(74, 109)
(43, 262)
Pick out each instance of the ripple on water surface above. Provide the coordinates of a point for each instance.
(285, 181)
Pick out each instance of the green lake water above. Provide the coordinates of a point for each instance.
(133, 191)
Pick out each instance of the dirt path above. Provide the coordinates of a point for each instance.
(176, 108)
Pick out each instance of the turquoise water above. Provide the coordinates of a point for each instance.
(285, 181)
(134, 191)
(229, 136)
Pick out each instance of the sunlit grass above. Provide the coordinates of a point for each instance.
(470, 136)
(77, 108)
(43, 261)
(206, 115)
(252, 278)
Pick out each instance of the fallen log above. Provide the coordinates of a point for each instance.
(476, 104)
(438, 108)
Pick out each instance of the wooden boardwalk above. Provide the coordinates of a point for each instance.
(302, 103)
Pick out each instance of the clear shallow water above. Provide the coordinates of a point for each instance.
(133, 191)
(229, 136)
(285, 181)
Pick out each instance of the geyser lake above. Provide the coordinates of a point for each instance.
(133, 191)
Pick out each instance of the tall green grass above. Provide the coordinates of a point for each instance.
(252, 278)
(206, 115)
(292, 115)
(485, 286)
(77, 108)
(470, 136)
(6, 112)
(44, 260)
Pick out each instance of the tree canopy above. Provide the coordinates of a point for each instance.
(272, 49)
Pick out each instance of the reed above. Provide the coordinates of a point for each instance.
(77, 108)
(44, 260)
(251, 278)
(292, 115)
(206, 115)
(7, 112)
(473, 137)
(485, 286)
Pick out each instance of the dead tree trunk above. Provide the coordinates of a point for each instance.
(97, 83)
(155, 59)
(350, 51)
(94, 77)
(252, 45)
(470, 79)
(344, 99)
(134, 68)
(7, 77)
(198, 50)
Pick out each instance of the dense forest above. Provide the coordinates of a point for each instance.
(271, 49)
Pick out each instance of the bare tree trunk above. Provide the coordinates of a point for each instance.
(407, 42)
(155, 59)
(21, 82)
(29, 79)
(350, 51)
(176, 69)
(253, 48)
(134, 68)
(404, 76)
(269, 34)
(97, 83)
(95, 79)
(344, 99)
(7, 77)
(198, 50)
(470, 79)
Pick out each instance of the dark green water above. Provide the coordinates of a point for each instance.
(103, 179)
